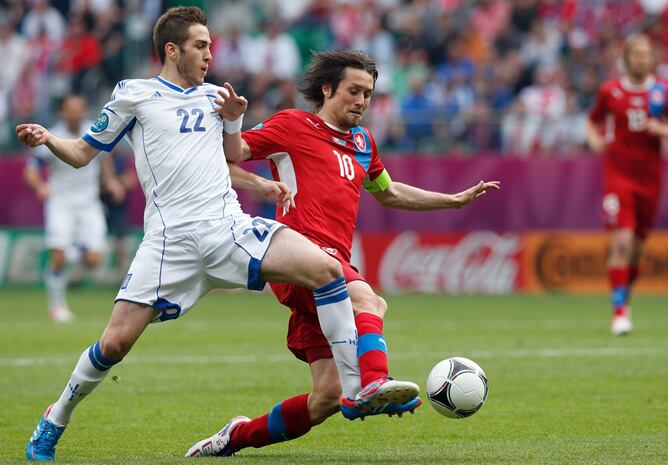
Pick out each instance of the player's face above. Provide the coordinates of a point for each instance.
(73, 111)
(640, 60)
(348, 104)
(195, 55)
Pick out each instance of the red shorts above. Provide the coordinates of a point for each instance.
(305, 338)
(625, 208)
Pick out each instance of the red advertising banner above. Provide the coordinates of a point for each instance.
(487, 262)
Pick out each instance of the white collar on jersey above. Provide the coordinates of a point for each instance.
(173, 86)
(630, 87)
(337, 128)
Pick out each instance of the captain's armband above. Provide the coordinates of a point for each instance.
(381, 183)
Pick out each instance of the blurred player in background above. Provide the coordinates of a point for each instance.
(633, 107)
(326, 158)
(196, 237)
(116, 210)
(73, 214)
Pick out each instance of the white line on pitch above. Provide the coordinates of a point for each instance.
(247, 359)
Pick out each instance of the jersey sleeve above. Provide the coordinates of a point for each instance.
(269, 137)
(600, 108)
(35, 162)
(41, 155)
(116, 119)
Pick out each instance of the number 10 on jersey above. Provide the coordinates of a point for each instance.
(346, 168)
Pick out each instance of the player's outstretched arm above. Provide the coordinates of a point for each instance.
(74, 152)
(406, 197)
(274, 191)
(111, 182)
(33, 178)
(595, 138)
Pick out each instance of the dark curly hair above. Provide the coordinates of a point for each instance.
(328, 68)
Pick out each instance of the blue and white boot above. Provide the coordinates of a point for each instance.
(42, 444)
(353, 412)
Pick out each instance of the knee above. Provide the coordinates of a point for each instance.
(58, 262)
(91, 260)
(381, 306)
(328, 269)
(114, 346)
(372, 303)
(324, 404)
(620, 250)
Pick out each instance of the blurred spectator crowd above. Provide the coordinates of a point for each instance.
(456, 76)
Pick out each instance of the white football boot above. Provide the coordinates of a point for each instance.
(61, 314)
(621, 323)
(219, 443)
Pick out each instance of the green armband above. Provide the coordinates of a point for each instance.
(381, 183)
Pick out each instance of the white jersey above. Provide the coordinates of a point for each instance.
(177, 138)
(75, 186)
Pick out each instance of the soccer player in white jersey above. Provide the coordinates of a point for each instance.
(196, 237)
(73, 214)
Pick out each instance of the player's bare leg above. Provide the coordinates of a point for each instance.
(128, 321)
(378, 387)
(623, 247)
(92, 258)
(636, 253)
(294, 259)
(288, 420)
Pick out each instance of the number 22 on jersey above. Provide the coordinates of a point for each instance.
(195, 113)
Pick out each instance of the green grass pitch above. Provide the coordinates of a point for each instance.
(562, 389)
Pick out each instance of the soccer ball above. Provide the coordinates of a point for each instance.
(457, 387)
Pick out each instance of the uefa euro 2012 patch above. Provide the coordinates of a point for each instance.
(100, 123)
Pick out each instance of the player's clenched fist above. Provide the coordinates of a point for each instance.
(31, 135)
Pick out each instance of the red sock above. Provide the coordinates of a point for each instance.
(619, 277)
(287, 420)
(371, 349)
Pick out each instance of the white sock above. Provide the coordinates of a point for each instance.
(335, 313)
(88, 373)
(56, 285)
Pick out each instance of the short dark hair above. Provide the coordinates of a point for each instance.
(173, 26)
(328, 68)
(62, 101)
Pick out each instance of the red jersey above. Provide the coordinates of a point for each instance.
(632, 155)
(323, 167)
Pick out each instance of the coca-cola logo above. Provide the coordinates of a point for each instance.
(480, 262)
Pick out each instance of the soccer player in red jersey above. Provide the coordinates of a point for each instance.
(326, 158)
(632, 107)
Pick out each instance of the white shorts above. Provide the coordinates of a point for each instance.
(173, 269)
(69, 224)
